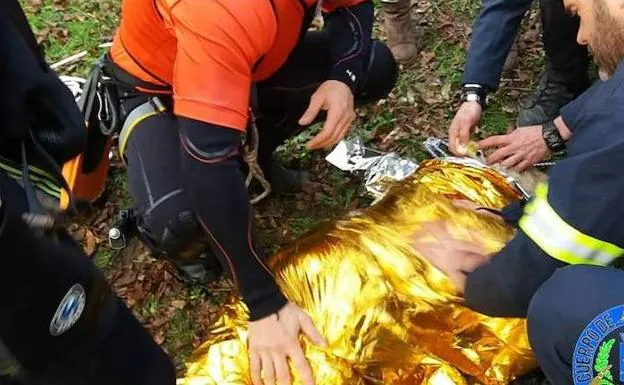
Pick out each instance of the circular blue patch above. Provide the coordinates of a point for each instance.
(69, 310)
(599, 351)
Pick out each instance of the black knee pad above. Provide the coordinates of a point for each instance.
(381, 75)
(185, 243)
(180, 238)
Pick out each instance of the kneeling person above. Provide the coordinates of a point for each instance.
(193, 77)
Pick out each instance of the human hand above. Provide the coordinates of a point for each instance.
(463, 125)
(275, 339)
(519, 150)
(455, 258)
(336, 98)
(478, 209)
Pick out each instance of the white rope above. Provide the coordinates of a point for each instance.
(75, 85)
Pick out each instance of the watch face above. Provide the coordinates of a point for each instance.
(552, 138)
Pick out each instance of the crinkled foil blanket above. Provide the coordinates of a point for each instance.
(388, 315)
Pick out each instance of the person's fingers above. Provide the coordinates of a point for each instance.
(324, 137)
(337, 132)
(316, 103)
(268, 370)
(309, 329)
(255, 367)
(319, 140)
(523, 166)
(301, 365)
(282, 372)
(464, 133)
(500, 154)
(345, 125)
(458, 279)
(494, 141)
(453, 138)
(459, 135)
(513, 160)
(465, 204)
(471, 261)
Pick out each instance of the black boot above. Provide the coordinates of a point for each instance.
(548, 98)
(206, 269)
(285, 180)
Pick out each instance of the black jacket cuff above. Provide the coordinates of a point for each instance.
(263, 307)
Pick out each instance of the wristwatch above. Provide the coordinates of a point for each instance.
(552, 137)
(474, 93)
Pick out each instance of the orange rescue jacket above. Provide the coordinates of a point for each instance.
(210, 51)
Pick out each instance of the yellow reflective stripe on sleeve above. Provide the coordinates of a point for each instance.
(558, 239)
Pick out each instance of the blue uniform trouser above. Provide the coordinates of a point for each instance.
(561, 310)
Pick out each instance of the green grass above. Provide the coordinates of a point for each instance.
(179, 336)
(383, 122)
(150, 307)
(301, 225)
(103, 257)
(495, 120)
(413, 148)
(343, 195)
(466, 10)
(451, 58)
(117, 187)
(71, 28)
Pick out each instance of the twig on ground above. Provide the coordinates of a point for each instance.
(69, 60)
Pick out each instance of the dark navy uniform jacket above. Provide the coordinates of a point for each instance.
(577, 219)
(494, 32)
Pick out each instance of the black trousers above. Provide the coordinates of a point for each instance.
(575, 326)
(567, 61)
(153, 151)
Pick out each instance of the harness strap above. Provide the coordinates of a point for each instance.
(153, 106)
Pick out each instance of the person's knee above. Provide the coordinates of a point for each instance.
(381, 75)
(176, 234)
(553, 312)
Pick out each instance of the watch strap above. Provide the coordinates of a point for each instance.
(474, 93)
(552, 137)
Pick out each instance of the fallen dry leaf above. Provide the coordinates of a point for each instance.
(89, 242)
(126, 278)
(160, 337)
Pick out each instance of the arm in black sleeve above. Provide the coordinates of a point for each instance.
(504, 286)
(216, 186)
(493, 34)
(512, 213)
(582, 201)
(350, 30)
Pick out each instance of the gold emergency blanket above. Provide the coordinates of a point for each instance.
(388, 315)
